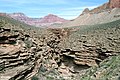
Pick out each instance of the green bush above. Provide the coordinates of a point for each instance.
(35, 78)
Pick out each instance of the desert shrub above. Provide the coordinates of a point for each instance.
(42, 69)
(2, 66)
(50, 78)
(35, 78)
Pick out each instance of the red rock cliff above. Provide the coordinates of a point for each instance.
(114, 3)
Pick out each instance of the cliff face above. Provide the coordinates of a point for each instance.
(114, 3)
(109, 5)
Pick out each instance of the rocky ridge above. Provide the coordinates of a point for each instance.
(99, 15)
(107, 6)
(39, 22)
(114, 3)
(91, 18)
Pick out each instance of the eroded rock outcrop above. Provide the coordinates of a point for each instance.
(110, 66)
(73, 59)
(17, 55)
(101, 8)
(114, 3)
(109, 5)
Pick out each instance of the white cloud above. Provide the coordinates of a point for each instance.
(63, 8)
(67, 13)
(78, 8)
(43, 2)
(73, 12)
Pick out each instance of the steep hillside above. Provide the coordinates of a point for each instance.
(109, 5)
(14, 22)
(114, 3)
(105, 13)
(100, 8)
(95, 18)
(109, 69)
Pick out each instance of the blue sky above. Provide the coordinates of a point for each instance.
(68, 9)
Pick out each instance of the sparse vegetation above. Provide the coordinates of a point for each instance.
(48, 47)
(34, 78)
(2, 66)
(107, 70)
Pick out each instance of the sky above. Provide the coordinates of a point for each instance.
(68, 9)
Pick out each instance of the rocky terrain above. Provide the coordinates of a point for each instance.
(85, 52)
(32, 53)
(102, 14)
(107, 70)
(92, 44)
(16, 51)
(39, 22)
(114, 3)
(109, 5)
